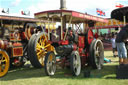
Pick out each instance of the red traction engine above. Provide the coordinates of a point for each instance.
(66, 45)
(77, 51)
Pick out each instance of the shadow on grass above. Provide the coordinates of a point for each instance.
(23, 73)
(108, 72)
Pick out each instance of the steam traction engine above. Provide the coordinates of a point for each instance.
(67, 45)
(15, 33)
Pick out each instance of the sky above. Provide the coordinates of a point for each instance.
(84, 6)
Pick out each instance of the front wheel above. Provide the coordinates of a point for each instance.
(75, 63)
(4, 63)
(50, 63)
(38, 47)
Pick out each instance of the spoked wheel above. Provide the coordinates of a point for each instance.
(97, 54)
(75, 63)
(4, 63)
(38, 46)
(50, 63)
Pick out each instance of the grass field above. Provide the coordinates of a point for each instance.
(32, 76)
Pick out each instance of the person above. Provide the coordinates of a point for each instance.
(121, 38)
(96, 35)
(114, 44)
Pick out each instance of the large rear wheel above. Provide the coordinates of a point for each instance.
(75, 63)
(29, 29)
(4, 63)
(96, 54)
(37, 49)
(50, 64)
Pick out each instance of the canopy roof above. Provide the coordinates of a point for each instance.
(77, 17)
(119, 13)
(24, 19)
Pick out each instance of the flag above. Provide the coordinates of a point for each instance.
(119, 5)
(5, 11)
(25, 13)
(22, 13)
(100, 12)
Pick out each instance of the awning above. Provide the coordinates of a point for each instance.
(120, 13)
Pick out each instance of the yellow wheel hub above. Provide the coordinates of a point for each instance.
(4, 63)
(42, 47)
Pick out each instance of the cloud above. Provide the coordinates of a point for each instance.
(44, 5)
(88, 6)
(83, 6)
(15, 3)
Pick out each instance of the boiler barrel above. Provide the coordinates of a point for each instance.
(64, 50)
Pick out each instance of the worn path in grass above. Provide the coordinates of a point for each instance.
(31, 76)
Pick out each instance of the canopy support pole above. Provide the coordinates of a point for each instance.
(124, 20)
(61, 28)
(48, 30)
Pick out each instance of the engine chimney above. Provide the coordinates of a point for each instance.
(63, 4)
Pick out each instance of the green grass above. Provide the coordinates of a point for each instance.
(32, 76)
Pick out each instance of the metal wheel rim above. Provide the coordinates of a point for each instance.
(98, 53)
(76, 64)
(51, 64)
(4, 63)
(41, 48)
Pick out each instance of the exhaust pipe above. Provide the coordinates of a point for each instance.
(63, 4)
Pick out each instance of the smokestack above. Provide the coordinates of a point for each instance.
(63, 4)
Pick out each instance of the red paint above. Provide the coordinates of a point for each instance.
(23, 35)
(96, 35)
(119, 5)
(74, 14)
(90, 36)
(80, 50)
(74, 47)
(17, 44)
(81, 41)
(90, 17)
(64, 42)
(17, 51)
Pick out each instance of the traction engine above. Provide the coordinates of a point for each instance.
(14, 37)
(74, 51)
(66, 45)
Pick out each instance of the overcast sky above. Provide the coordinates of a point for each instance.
(88, 6)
